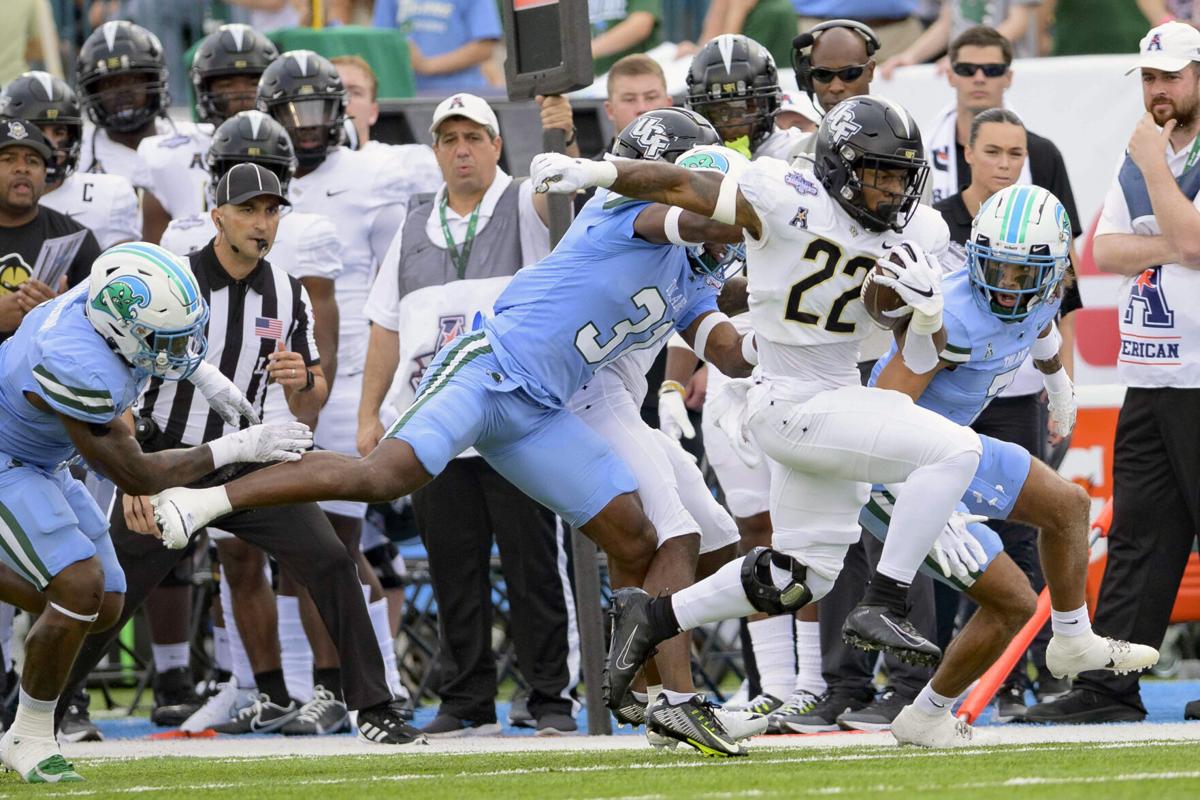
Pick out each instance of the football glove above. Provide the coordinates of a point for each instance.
(260, 444)
(918, 281)
(222, 394)
(672, 412)
(561, 174)
(959, 554)
(730, 407)
(1061, 395)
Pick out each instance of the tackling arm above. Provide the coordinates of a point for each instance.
(651, 226)
(722, 345)
(897, 375)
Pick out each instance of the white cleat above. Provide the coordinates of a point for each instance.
(36, 759)
(912, 726)
(181, 512)
(1067, 656)
(220, 708)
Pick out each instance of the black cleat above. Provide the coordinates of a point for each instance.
(630, 711)
(872, 627)
(175, 697)
(693, 722)
(630, 646)
(386, 724)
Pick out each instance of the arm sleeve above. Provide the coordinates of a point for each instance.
(383, 302)
(125, 218)
(302, 340)
(81, 266)
(72, 388)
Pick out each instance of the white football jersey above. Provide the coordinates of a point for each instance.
(780, 144)
(105, 204)
(99, 153)
(365, 194)
(806, 271)
(175, 162)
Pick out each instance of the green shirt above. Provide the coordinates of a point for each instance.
(1088, 27)
(605, 14)
(772, 23)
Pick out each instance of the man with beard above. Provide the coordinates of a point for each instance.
(1149, 232)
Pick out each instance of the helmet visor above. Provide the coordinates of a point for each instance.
(899, 181)
(1012, 284)
(172, 355)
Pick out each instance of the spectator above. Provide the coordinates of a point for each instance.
(636, 84)
(22, 41)
(28, 230)
(1087, 27)
(447, 41)
(621, 27)
(771, 23)
(481, 227)
(895, 22)
(1156, 464)
(1015, 20)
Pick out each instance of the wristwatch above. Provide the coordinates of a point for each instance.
(309, 381)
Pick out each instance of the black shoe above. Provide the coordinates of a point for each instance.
(1010, 703)
(823, 717)
(1081, 706)
(385, 724)
(448, 726)
(1049, 687)
(174, 697)
(76, 725)
(518, 712)
(556, 723)
(631, 643)
(876, 715)
(1192, 710)
(872, 627)
(630, 711)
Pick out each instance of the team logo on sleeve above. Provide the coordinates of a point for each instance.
(123, 297)
(651, 134)
(800, 220)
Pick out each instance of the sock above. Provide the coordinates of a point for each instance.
(272, 684)
(221, 656)
(718, 597)
(675, 698)
(330, 678)
(663, 623)
(170, 656)
(930, 702)
(923, 505)
(239, 661)
(886, 591)
(295, 653)
(1070, 623)
(775, 653)
(808, 658)
(387, 645)
(652, 693)
(34, 717)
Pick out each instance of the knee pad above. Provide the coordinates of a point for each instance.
(760, 588)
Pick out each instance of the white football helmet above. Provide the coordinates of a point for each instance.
(145, 302)
(1019, 250)
(727, 161)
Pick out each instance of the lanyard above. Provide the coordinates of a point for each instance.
(1193, 154)
(459, 257)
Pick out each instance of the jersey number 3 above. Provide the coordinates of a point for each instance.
(830, 255)
(587, 340)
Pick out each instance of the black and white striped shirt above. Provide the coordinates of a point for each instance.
(246, 318)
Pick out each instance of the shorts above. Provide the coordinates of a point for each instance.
(337, 430)
(48, 522)
(1003, 468)
(548, 453)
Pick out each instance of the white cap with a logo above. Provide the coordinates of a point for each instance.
(1170, 47)
(471, 106)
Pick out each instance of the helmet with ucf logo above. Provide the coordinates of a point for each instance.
(230, 51)
(664, 134)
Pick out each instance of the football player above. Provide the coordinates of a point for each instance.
(67, 378)
(1000, 306)
(106, 204)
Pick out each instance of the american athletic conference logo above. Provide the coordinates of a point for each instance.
(1147, 297)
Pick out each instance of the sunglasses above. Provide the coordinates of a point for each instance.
(968, 70)
(846, 74)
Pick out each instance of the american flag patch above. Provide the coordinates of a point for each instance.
(268, 328)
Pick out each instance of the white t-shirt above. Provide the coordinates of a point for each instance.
(105, 204)
(175, 161)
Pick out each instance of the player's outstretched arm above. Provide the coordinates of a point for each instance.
(661, 224)
(714, 338)
(897, 375)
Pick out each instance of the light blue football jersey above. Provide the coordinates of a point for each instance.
(57, 355)
(986, 351)
(601, 293)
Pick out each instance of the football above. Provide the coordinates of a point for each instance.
(878, 298)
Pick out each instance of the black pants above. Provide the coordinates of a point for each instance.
(301, 539)
(1156, 515)
(458, 514)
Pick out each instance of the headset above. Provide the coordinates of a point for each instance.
(801, 58)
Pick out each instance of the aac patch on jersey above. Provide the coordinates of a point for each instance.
(800, 220)
(800, 183)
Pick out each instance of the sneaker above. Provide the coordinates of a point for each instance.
(1049, 687)
(174, 697)
(518, 712)
(323, 714)
(36, 759)
(556, 724)
(912, 726)
(261, 716)
(1067, 656)
(823, 716)
(220, 707)
(1010, 703)
(799, 704)
(630, 711)
(693, 722)
(76, 725)
(385, 724)
(762, 705)
(630, 645)
(448, 726)
(876, 715)
(1082, 706)
(872, 627)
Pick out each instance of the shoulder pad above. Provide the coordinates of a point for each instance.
(71, 383)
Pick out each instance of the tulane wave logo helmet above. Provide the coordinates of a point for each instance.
(145, 302)
(726, 161)
(1019, 250)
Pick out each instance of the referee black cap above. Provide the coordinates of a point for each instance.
(246, 181)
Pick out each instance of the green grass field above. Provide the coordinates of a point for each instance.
(1094, 771)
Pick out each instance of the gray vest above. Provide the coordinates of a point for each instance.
(496, 251)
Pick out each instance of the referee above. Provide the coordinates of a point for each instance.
(255, 309)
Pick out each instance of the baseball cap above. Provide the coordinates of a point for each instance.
(1169, 47)
(19, 133)
(471, 106)
(246, 181)
(799, 103)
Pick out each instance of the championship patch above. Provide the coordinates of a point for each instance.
(799, 182)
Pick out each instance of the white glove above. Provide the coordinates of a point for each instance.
(672, 412)
(958, 553)
(918, 281)
(561, 174)
(181, 512)
(260, 444)
(223, 396)
(1061, 394)
(729, 407)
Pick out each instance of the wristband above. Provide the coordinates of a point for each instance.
(925, 324)
(671, 386)
(602, 173)
(750, 350)
(1046, 347)
(1058, 382)
(707, 323)
(726, 208)
(671, 228)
